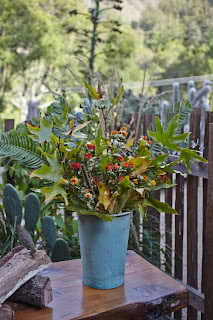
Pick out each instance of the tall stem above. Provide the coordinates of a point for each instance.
(94, 35)
(87, 179)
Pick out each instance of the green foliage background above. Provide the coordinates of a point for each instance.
(42, 37)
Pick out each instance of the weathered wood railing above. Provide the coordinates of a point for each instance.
(187, 197)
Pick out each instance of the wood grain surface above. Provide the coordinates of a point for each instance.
(146, 294)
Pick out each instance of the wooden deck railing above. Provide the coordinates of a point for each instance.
(188, 198)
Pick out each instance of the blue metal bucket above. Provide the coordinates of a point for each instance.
(103, 246)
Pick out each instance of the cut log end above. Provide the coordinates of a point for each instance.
(37, 292)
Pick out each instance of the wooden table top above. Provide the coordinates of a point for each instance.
(146, 294)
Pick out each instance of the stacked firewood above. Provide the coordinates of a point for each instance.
(20, 281)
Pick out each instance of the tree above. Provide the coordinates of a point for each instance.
(31, 33)
(180, 35)
(95, 35)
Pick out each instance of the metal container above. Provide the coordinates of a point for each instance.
(103, 246)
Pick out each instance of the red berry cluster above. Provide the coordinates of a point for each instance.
(75, 166)
(163, 177)
(126, 164)
(110, 166)
(91, 146)
(88, 156)
(95, 180)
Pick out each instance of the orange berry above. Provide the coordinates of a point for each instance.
(149, 142)
(153, 182)
(135, 181)
(116, 166)
(145, 178)
(63, 181)
(88, 195)
(124, 133)
(131, 165)
(114, 132)
(125, 164)
(74, 181)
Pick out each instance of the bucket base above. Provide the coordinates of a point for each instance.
(103, 285)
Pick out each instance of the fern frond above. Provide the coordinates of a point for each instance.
(183, 108)
(21, 148)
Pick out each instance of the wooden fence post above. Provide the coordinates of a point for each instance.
(152, 225)
(208, 120)
(168, 229)
(208, 230)
(8, 124)
(192, 235)
(179, 225)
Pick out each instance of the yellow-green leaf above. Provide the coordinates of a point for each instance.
(104, 195)
(130, 143)
(115, 101)
(93, 93)
(141, 164)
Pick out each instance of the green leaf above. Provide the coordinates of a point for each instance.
(71, 155)
(53, 173)
(51, 193)
(159, 159)
(121, 200)
(168, 167)
(188, 155)
(124, 185)
(81, 126)
(142, 210)
(21, 148)
(99, 148)
(159, 206)
(42, 134)
(78, 207)
(104, 161)
(183, 108)
(168, 139)
(115, 101)
(92, 92)
(59, 221)
(61, 124)
(163, 186)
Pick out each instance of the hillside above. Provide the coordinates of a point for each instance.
(132, 9)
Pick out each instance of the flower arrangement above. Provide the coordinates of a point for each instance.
(110, 173)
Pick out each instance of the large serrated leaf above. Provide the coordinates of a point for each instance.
(54, 173)
(168, 139)
(42, 134)
(188, 156)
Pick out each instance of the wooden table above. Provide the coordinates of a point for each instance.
(146, 294)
